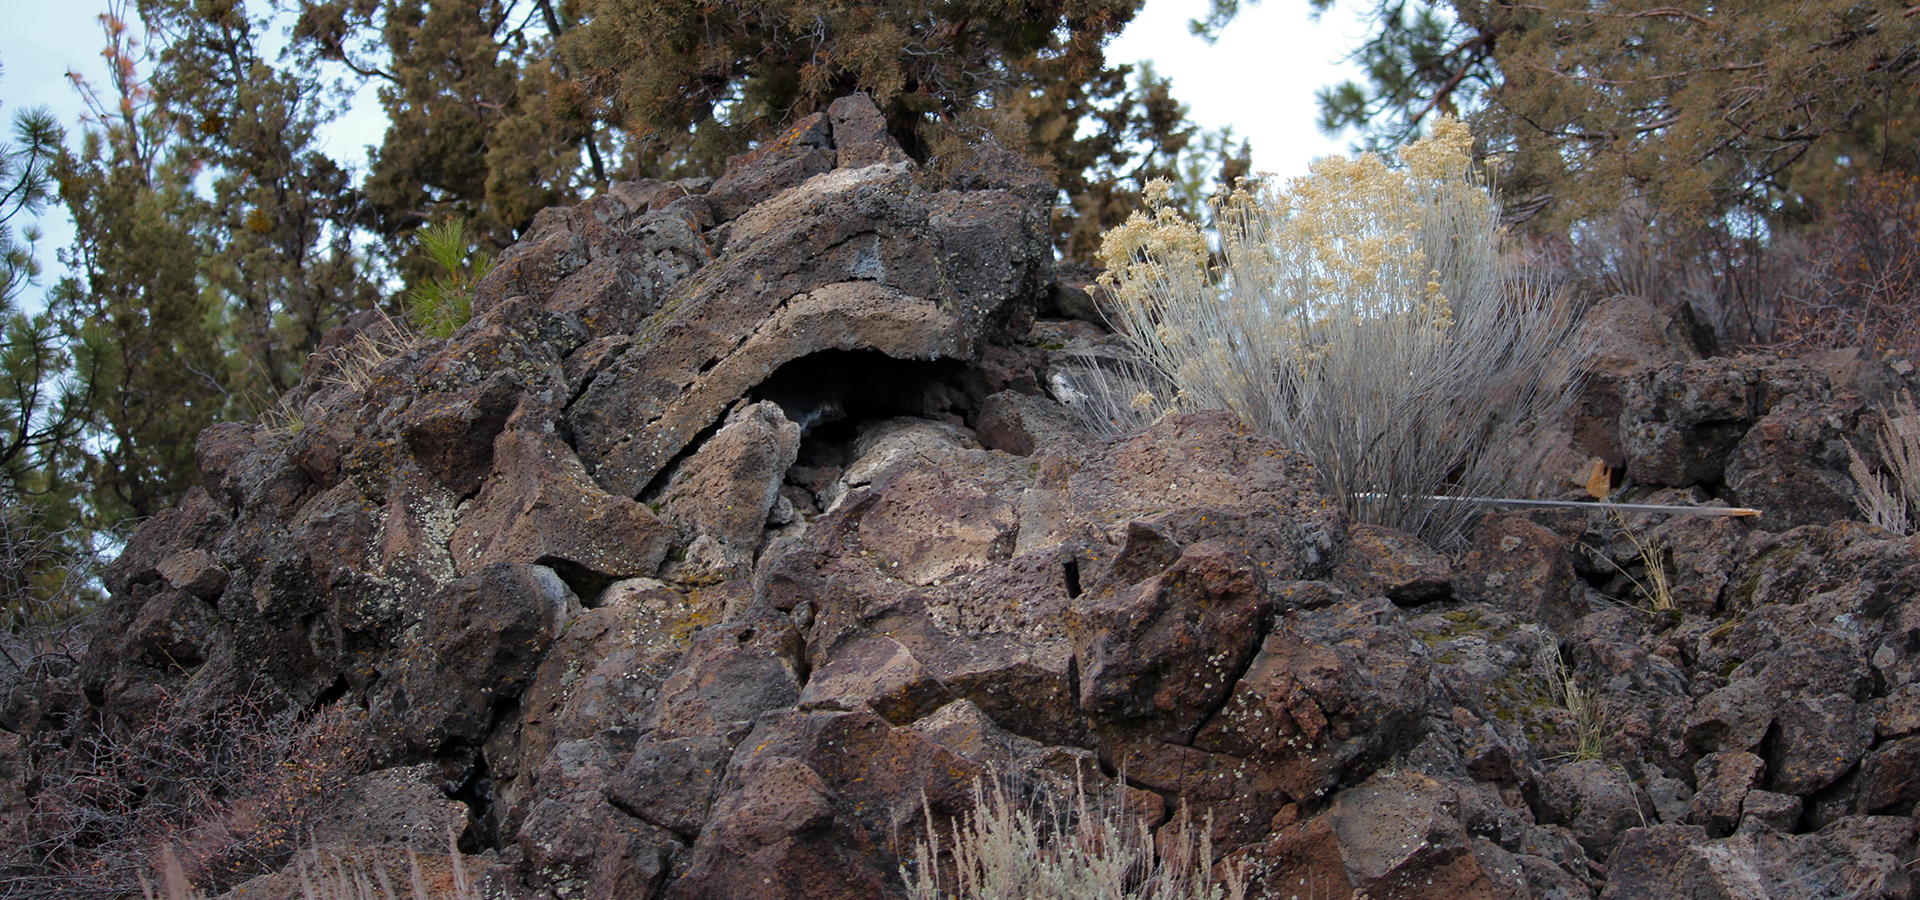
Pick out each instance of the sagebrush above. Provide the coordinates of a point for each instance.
(1890, 501)
(1077, 847)
(1366, 315)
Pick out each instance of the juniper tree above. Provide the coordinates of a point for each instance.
(145, 337)
(501, 108)
(39, 414)
(280, 254)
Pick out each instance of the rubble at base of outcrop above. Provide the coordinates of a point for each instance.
(738, 531)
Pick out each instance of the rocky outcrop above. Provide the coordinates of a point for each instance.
(744, 528)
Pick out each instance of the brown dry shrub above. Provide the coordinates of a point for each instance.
(1726, 285)
(1850, 278)
(230, 793)
(46, 574)
(1861, 287)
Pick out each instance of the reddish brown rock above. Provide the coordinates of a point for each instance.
(1326, 698)
(732, 674)
(718, 502)
(1722, 782)
(195, 572)
(1596, 801)
(1889, 778)
(1647, 862)
(1815, 741)
(540, 506)
(451, 434)
(1166, 646)
(860, 136)
(1396, 835)
(803, 150)
(605, 673)
(481, 639)
(1521, 567)
(1384, 562)
(813, 805)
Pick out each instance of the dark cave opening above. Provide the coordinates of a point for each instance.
(832, 393)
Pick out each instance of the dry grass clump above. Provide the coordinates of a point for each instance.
(323, 875)
(1590, 736)
(1657, 588)
(349, 365)
(1890, 502)
(227, 794)
(1365, 315)
(1076, 848)
(352, 364)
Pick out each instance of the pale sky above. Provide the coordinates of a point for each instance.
(1259, 78)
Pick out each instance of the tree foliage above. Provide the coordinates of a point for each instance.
(38, 414)
(475, 101)
(144, 334)
(694, 80)
(441, 305)
(1700, 108)
(281, 212)
(42, 410)
(500, 109)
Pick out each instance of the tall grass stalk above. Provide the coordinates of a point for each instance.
(331, 876)
(1079, 848)
(1657, 588)
(1889, 502)
(1365, 315)
(1589, 727)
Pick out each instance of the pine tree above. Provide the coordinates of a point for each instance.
(1699, 109)
(475, 99)
(495, 115)
(38, 413)
(42, 410)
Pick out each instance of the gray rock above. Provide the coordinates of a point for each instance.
(1766, 809)
(541, 505)
(802, 151)
(1890, 778)
(726, 490)
(854, 259)
(1597, 801)
(860, 136)
(1816, 740)
(1680, 422)
(1793, 465)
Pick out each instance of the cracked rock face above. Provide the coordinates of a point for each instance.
(737, 535)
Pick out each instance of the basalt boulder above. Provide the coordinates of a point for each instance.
(751, 520)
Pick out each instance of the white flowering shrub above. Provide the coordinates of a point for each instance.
(1364, 315)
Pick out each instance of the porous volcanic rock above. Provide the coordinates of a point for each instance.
(751, 520)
